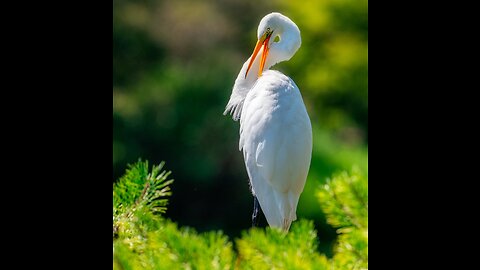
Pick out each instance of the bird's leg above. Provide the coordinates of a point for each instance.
(256, 207)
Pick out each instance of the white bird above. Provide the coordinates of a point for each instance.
(275, 130)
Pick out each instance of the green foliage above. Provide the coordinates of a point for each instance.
(344, 199)
(170, 247)
(138, 187)
(331, 68)
(144, 239)
(272, 249)
(184, 247)
(137, 196)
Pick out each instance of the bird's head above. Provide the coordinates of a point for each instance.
(279, 31)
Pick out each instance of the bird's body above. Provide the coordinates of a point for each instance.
(275, 130)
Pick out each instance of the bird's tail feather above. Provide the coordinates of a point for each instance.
(279, 209)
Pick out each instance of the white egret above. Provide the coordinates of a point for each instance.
(275, 130)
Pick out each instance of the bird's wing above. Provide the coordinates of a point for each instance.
(276, 138)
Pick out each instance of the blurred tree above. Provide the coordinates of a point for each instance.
(331, 68)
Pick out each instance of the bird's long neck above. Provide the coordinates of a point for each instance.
(244, 84)
(241, 87)
(252, 75)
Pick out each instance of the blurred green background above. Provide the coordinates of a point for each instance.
(174, 65)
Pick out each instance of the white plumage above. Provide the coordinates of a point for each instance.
(275, 130)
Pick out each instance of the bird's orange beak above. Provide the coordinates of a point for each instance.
(261, 43)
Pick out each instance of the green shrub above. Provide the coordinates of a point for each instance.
(143, 239)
